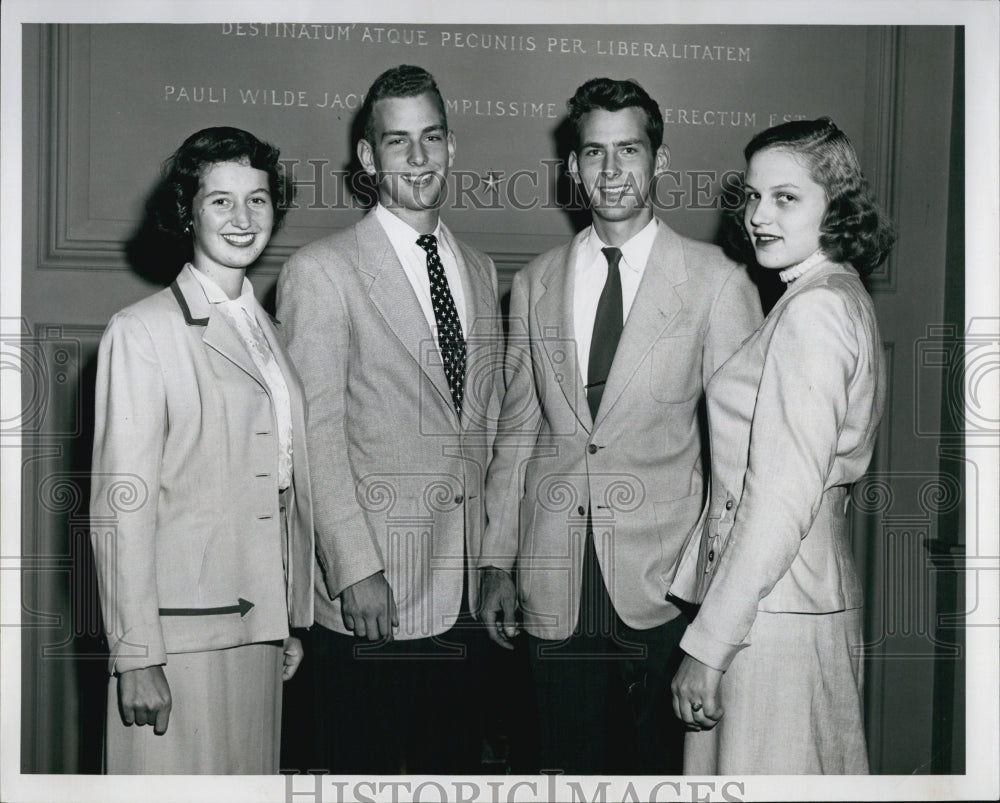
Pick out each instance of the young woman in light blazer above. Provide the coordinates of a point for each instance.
(202, 520)
(772, 678)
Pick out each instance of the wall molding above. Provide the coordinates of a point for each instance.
(68, 238)
(865, 530)
(883, 124)
(56, 600)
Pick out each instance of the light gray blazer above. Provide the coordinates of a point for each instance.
(639, 465)
(793, 417)
(397, 476)
(185, 517)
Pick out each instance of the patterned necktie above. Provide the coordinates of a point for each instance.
(451, 342)
(607, 332)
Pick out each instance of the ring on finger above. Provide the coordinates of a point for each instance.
(696, 706)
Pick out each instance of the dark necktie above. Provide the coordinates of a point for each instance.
(451, 342)
(607, 332)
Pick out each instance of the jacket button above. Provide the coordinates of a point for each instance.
(711, 554)
(581, 510)
(592, 448)
(459, 499)
(729, 504)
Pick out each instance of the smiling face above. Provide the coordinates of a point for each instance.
(410, 157)
(615, 165)
(233, 216)
(784, 208)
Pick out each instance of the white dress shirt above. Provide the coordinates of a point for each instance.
(589, 275)
(414, 260)
(241, 313)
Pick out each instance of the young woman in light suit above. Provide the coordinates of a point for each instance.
(202, 520)
(772, 678)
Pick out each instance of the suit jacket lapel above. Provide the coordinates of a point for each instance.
(480, 298)
(219, 335)
(655, 305)
(554, 313)
(483, 327)
(392, 295)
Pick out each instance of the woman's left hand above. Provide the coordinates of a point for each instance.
(696, 694)
(293, 657)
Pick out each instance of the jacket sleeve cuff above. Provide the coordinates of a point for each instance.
(710, 651)
(137, 650)
(498, 548)
(336, 582)
(498, 559)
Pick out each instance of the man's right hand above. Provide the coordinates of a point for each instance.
(369, 609)
(498, 602)
(144, 698)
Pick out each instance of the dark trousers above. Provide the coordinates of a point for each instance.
(604, 703)
(398, 707)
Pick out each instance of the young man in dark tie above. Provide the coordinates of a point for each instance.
(597, 476)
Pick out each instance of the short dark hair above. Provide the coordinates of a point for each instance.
(404, 81)
(183, 170)
(854, 229)
(613, 96)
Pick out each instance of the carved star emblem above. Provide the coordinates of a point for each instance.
(492, 180)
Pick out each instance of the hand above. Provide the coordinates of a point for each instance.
(369, 609)
(144, 698)
(293, 657)
(696, 694)
(498, 596)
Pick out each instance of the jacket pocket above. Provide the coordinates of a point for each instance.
(675, 369)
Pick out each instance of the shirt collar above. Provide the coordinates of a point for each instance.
(635, 252)
(401, 234)
(216, 295)
(792, 273)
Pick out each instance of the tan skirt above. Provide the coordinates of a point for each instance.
(792, 702)
(225, 718)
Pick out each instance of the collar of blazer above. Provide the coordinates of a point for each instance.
(391, 294)
(819, 273)
(219, 335)
(656, 304)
